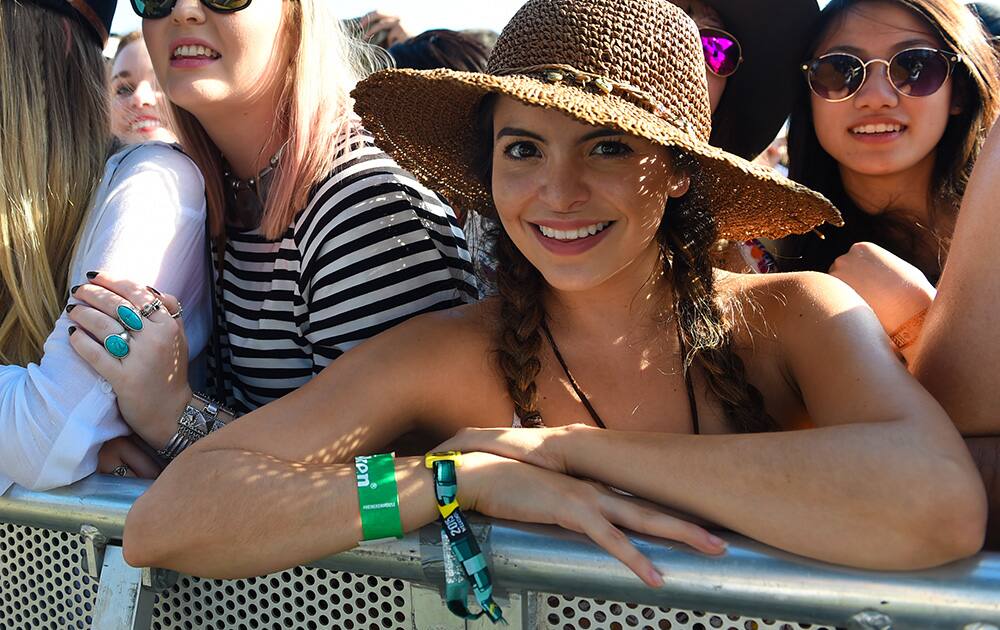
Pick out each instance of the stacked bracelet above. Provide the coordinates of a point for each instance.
(195, 424)
(463, 559)
(378, 498)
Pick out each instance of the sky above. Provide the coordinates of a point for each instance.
(421, 15)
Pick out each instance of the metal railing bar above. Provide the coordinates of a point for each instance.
(751, 579)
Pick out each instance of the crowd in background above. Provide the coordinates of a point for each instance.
(564, 250)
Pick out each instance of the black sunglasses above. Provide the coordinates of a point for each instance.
(156, 9)
(913, 72)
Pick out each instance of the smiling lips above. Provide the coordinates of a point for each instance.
(192, 55)
(572, 240)
(881, 130)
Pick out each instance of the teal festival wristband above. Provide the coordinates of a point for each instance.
(378, 498)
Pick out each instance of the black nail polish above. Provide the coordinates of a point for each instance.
(70, 307)
(72, 329)
(91, 275)
(155, 292)
(73, 290)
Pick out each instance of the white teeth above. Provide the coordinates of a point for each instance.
(144, 124)
(195, 51)
(572, 235)
(879, 128)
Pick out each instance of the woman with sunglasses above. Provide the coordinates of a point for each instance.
(68, 206)
(690, 380)
(319, 239)
(897, 99)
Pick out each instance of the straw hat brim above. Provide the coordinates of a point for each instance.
(427, 121)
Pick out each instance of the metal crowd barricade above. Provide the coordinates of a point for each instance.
(61, 567)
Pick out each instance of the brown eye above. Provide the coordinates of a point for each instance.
(612, 149)
(521, 150)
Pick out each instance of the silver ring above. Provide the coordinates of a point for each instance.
(150, 308)
(120, 471)
(117, 345)
(180, 311)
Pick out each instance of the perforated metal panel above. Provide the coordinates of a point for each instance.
(42, 583)
(43, 587)
(573, 613)
(299, 598)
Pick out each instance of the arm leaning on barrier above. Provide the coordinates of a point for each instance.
(317, 504)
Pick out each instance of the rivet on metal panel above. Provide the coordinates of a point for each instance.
(870, 620)
(94, 543)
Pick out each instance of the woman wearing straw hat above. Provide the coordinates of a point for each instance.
(589, 138)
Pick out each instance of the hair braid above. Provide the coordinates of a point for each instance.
(688, 232)
(519, 340)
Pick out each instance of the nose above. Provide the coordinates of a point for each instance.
(565, 186)
(145, 94)
(877, 92)
(188, 12)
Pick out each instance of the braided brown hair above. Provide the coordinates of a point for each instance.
(686, 236)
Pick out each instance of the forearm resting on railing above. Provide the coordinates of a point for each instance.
(208, 505)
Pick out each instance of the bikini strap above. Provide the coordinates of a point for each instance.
(572, 381)
(692, 401)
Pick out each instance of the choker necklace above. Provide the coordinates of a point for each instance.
(245, 197)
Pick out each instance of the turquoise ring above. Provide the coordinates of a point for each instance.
(117, 345)
(129, 318)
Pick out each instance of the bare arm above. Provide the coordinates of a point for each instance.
(885, 482)
(272, 490)
(960, 348)
(986, 453)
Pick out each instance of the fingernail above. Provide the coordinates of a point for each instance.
(73, 290)
(70, 307)
(155, 292)
(72, 329)
(92, 274)
(656, 578)
(718, 542)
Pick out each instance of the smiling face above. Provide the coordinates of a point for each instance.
(213, 63)
(582, 203)
(879, 131)
(136, 98)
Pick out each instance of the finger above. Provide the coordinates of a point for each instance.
(644, 520)
(95, 355)
(137, 295)
(144, 466)
(171, 306)
(615, 542)
(101, 298)
(98, 324)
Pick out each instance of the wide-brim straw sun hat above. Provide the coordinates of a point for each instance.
(632, 65)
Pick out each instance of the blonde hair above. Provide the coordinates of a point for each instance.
(54, 139)
(316, 111)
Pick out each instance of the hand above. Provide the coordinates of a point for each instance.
(544, 448)
(512, 490)
(131, 453)
(895, 289)
(151, 382)
(383, 29)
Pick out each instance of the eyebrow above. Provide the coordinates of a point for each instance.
(920, 42)
(514, 131)
(124, 74)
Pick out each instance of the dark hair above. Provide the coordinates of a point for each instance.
(441, 49)
(975, 89)
(685, 239)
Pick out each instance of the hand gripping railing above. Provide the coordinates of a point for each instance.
(750, 579)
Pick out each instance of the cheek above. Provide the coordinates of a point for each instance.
(716, 87)
(828, 123)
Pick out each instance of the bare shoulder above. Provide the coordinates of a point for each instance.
(459, 332)
(777, 300)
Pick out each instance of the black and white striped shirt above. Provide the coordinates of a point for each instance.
(372, 248)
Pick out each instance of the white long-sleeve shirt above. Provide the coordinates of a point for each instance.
(146, 224)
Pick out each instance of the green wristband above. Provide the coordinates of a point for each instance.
(378, 497)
